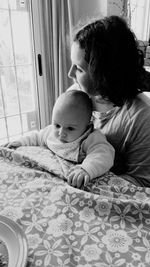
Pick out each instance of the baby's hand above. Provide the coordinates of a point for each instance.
(13, 144)
(77, 176)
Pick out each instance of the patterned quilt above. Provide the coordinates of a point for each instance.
(105, 224)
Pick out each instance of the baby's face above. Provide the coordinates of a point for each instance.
(69, 125)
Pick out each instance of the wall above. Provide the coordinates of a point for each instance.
(116, 7)
(83, 9)
(92, 8)
(139, 9)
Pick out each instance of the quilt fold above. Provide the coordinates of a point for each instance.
(106, 223)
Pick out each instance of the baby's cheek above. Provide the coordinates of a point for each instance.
(56, 133)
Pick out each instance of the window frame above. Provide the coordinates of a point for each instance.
(41, 81)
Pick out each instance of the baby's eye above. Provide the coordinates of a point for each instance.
(57, 126)
(71, 129)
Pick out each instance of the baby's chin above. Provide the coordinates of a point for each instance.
(63, 141)
(66, 141)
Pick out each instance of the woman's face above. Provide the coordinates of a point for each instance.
(79, 72)
(79, 69)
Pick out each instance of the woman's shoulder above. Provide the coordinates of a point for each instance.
(135, 116)
(143, 100)
(140, 107)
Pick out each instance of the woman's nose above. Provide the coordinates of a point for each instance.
(71, 73)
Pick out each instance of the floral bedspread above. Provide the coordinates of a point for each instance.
(106, 224)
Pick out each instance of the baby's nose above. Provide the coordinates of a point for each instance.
(62, 132)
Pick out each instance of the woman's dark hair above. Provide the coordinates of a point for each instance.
(115, 63)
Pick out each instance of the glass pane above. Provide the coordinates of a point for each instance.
(18, 4)
(3, 132)
(12, 4)
(1, 105)
(18, 95)
(4, 4)
(13, 138)
(3, 141)
(6, 52)
(26, 88)
(14, 125)
(30, 121)
(21, 37)
(9, 88)
(24, 123)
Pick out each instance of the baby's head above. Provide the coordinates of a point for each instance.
(71, 115)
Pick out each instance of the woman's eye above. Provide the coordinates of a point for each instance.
(80, 70)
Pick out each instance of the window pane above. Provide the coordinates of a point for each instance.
(1, 105)
(3, 141)
(24, 122)
(4, 3)
(18, 81)
(3, 133)
(26, 88)
(12, 4)
(18, 4)
(6, 53)
(14, 125)
(30, 121)
(15, 137)
(21, 37)
(9, 88)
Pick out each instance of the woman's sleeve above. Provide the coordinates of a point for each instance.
(137, 155)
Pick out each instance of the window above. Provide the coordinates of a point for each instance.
(140, 18)
(19, 106)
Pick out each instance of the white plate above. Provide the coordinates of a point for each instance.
(15, 241)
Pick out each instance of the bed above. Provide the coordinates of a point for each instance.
(106, 223)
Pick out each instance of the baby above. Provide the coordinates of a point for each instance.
(72, 137)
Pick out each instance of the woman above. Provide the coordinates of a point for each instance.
(107, 64)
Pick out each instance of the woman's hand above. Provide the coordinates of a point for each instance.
(78, 176)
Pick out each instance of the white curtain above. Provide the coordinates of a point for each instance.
(140, 18)
(57, 20)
